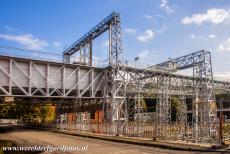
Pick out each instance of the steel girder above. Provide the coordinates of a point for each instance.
(111, 23)
(115, 89)
(204, 108)
(27, 78)
(115, 100)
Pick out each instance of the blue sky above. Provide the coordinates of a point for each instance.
(154, 30)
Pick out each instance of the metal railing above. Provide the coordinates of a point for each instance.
(44, 56)
(30, 54)
(146, 130)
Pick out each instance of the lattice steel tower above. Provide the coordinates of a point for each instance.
(114, 92)
(204, 112)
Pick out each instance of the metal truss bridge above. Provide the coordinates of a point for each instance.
(121, 87)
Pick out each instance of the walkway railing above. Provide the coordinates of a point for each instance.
(146, 130)
(175, 131)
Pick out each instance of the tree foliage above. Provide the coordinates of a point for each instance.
(175, 104)
(28, 112)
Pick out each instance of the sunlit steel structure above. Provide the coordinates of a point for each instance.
(121, 88)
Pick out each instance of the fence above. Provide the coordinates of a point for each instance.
(9, 121)
(44, 56)
(174, 131)
(226, 133)
(146, 130)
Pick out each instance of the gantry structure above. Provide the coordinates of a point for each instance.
(121, 88)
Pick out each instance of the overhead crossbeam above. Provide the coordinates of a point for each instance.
(204, 107)
(183, 62)
(106, 24)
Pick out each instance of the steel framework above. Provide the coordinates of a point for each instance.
(35, 78)
(111, 23)
(204, 107)
(115, 97)
(122, 88)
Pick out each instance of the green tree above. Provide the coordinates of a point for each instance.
(4, 110)
(175, 104)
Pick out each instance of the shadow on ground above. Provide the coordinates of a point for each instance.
(10, 144)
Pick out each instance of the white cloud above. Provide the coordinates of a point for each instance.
(57, 44)
(146, 36)
(214, 16)
(193, 36)
(166, 6)
(151, 18)
(224, 47)
(131, 31)
(27, 40)
(147, 16)
(212, 36)
(160, 16)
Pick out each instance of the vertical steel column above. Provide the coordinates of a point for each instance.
(116, 80)
(30, 77)
(204, 105)
(84, 53)
(47, 78)
(80, 55)
(90, 53)
(110, 44)
(107, 95)
(91, 76)
(163, 107)
(78, 77)
(63, 80)
(138, 104)
(66, 58)
(10, 77)
(181, 118)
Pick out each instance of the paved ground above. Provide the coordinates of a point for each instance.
(27, 137)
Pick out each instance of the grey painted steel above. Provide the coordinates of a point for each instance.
(117, 82)
(110, 23)
(25, 77)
